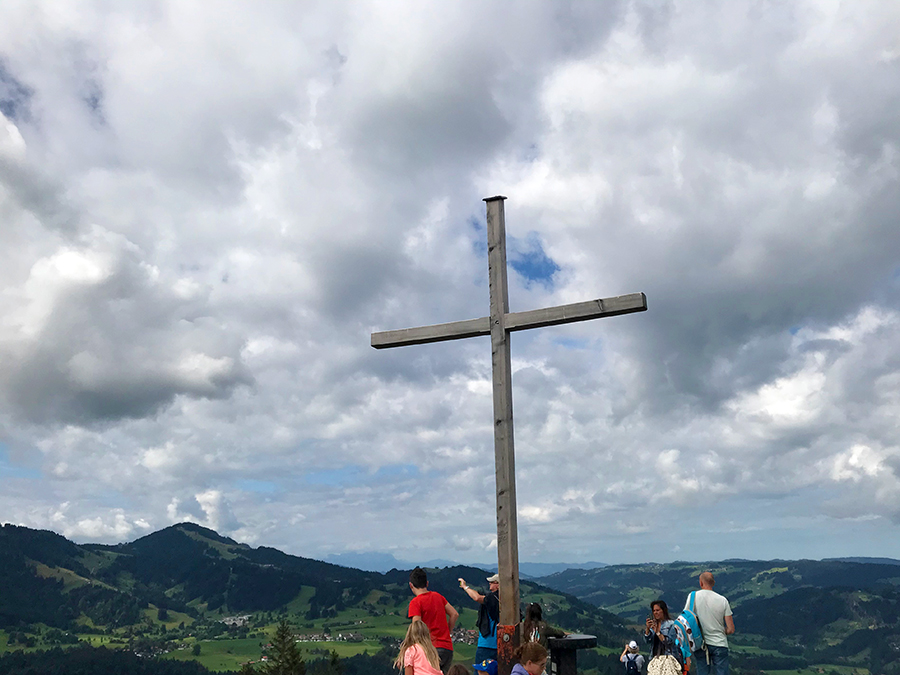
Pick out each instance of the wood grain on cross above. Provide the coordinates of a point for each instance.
(499, 325)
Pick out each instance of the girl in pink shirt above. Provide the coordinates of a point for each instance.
(417, 655)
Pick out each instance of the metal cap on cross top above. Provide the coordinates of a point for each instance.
(499, 324)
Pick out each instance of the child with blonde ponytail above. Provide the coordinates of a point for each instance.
(417, 655)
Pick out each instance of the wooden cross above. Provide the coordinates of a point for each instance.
(499, 325)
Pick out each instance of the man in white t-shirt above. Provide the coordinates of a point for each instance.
(714, 614)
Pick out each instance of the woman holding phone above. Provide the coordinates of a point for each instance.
(665, 655)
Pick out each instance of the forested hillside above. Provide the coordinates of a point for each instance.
(186, 593)
(788, 614)
(187, 588)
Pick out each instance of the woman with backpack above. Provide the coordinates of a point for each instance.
(665, 651)
(631, 657)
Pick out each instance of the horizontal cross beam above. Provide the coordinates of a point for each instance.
(535, 318)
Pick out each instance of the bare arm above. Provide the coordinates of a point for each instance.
(416, 618)
(452, 616)
(409, 670)
(475, 595)
(729, 625)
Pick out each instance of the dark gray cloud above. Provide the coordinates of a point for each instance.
(115, 343)
(15, 96)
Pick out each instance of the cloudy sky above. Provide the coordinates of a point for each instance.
(206, 209)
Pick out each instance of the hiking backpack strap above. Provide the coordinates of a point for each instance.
(691, 607)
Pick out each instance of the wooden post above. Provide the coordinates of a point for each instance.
(499, 325)
(504, 446)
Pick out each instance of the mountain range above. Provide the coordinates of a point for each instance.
(195, 572)
(788, 614)
(385, 562)
(182, 582)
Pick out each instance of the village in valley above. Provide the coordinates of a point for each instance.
(459, 635)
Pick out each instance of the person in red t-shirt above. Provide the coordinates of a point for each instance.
(438, 614)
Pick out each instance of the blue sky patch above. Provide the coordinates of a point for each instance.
(258, 486)
(571, 343)
(357, 475)
(10, 470)
(528, 258)
(479, 244)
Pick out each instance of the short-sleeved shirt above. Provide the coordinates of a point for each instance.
(431, 607)
(415, 657)
(711, 610)
(637, 658)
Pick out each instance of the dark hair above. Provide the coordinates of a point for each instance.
(458, 669)
(418, 578)
(531, 651)
(533, 614)
(663, 605)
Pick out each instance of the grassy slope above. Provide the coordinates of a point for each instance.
(800, 602)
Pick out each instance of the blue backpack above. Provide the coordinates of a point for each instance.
(681, 641)
(688, 627)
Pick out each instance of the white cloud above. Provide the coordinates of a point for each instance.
(12, 145)
(856, 463)
(205, 214)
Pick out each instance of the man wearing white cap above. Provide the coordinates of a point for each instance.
(634, 662)
(488, 617)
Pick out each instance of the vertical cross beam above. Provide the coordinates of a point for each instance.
(499, 325)
(504, 447)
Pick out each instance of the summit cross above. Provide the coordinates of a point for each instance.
(499, 325)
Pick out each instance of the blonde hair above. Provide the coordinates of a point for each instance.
(418, 634)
